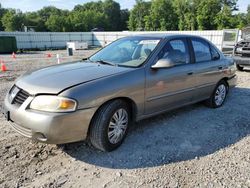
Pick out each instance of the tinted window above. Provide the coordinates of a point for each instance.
(176, 51)
(201, 50)
(215, 53)
(146, 49)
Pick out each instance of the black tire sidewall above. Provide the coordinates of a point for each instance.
(98, 135)
(121, 105)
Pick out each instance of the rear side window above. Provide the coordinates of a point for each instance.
(201, 50)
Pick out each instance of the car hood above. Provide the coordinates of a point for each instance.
(54, 79)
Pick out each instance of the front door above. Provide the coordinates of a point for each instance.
(168, 88)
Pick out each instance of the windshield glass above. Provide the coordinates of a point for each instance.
(131, 52)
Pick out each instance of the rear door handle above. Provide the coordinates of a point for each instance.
(220, 68)
(190, 73)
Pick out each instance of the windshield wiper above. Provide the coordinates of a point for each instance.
(106, 62)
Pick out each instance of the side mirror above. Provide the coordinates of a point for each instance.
(163, 63)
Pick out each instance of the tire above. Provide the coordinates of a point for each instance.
(239, 68)
(218, 96)
(114, 119)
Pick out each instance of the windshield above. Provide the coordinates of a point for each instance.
(131, 52)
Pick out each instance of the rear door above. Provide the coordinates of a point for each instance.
(209, 67)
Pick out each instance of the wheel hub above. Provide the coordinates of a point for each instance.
(220, 94)
(118, 126)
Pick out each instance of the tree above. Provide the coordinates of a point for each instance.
(239, 21)
(186, 12)
(232, 4)
(13, 20)
(124, 19)
(33, 19)
(206, 14)
(137, 15)
(224, 18)
(45, 13)
(58, 23)
(87, 20)
(2, 12)
(95, 6)
(162, 16)
(145, 15)
(112, 11)
(109, 9)
(248, 15)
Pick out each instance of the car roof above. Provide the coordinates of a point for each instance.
(163, 35)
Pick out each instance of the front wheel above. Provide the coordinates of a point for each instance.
(110, 125)
(218, 96)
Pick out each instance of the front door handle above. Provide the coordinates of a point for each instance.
(190, 73)
(220, 68)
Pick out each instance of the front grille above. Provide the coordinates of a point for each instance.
(246, 48)
(20, 97)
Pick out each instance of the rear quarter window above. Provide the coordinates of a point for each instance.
(215, 54)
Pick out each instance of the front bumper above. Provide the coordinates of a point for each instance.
(52, 128)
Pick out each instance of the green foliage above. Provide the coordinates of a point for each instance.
(112, 11)
(13, 20)
(248, 15)
(224, 18)
(87, 20)
(186, 12)
(33, 19)
(162, 16)
(137, 15)
(57, 23)
(124, 19)
(2, 12)
(206, 14)
(154, 15)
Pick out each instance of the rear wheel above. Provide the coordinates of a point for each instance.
(110, 125)
(239, 68)
(218, 96)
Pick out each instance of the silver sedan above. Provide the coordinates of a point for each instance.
(131, 79)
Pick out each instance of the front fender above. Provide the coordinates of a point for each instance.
(95, 93)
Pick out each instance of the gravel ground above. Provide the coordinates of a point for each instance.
(194, 146)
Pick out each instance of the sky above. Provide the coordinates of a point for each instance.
(33, 5)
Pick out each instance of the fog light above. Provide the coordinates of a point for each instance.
(40, 137)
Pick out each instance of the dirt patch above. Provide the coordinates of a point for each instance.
(194, 146)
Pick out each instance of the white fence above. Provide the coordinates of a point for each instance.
(100, 38)
(45, 40)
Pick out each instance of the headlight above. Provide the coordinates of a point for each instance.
(51, 103)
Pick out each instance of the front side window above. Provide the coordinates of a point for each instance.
(201, 50)
(176, 51)
(131, 52)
